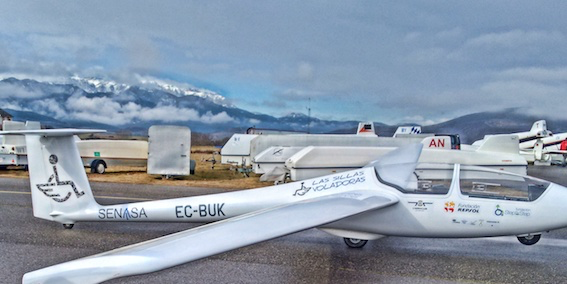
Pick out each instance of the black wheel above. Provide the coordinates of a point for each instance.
(355, 243)
(98, 166)
(68, 226)
(529, 239)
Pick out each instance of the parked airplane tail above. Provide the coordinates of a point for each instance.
(539, 129)
(366, 128)
(407, 130)
(59, 184)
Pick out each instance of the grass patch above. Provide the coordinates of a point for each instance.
(221, 176)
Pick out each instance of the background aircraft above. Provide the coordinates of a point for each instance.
(387, 198)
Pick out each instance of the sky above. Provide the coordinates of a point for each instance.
(384, 61)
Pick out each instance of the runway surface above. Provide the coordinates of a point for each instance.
(312, 256)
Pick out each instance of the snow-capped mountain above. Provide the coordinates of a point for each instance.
(186, 91)
(136, 106)
(94, 85)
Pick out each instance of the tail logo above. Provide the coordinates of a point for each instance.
(47, 188)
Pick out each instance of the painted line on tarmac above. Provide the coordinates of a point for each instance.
(544, 241)
(14, 192)
(98, 196)
(124, 198)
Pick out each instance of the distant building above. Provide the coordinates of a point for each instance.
(4, 116)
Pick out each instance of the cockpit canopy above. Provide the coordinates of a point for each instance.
(472, 181)
(500, 185)
(400, 169)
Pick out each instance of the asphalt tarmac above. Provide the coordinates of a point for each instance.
(312, 256)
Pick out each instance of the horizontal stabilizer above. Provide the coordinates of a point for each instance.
(504, 143)
(222, 236)
(53, 132)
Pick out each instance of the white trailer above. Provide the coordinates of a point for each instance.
(169, 150)
(13, 160)
(263, 142)
(13, 147)
(100, 154)
(273, 157)
(236, 151)
(499, 152)
(239, 150)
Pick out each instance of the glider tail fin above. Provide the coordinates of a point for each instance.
(59, 184)
(366, 128)
(539, 129)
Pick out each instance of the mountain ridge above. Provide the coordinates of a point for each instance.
(96, 103)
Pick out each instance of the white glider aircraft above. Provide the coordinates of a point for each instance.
(387, 198)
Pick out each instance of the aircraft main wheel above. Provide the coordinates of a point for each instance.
(529, 239)
(68, 226)
(98, 167)
(355, 243)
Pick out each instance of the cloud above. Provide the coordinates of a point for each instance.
(49, 107)
(427, 56)
(167, 114)
(305, 71)
(253, 121)
(221, 117)
(66, 46)
(277, 104)
(13, 105)
(101, 110)
(420, 120)
(143, 53)
(403, 58)
(450, 34)
(515, 39)
(412, 37)
(518, 92)
(8, 90)
(512, 48)
(297, 94)
(556, 74)
(107, 111)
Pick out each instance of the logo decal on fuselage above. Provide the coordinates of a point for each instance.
(302, 191)
(450, 206)
(333, 182)
(516, 212)
(47, 188)
(420, 205)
